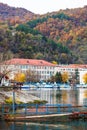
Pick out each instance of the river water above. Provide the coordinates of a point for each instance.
(74, 97)
(74, 125)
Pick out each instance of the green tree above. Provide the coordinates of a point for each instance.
(58, 77)
(77, 75)
(52, 79)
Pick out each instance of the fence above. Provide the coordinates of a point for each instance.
(36, 109)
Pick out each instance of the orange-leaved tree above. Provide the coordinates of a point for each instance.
(19, 77)
(65, 77)
(85, 78)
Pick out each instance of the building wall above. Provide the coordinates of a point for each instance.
(81, 76)
(71, 71)
(45, 72)
(43, 68)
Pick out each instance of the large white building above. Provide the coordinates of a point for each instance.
(41, 67)
(71, 70)
(82, 73)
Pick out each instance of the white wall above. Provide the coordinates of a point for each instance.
(81, 76)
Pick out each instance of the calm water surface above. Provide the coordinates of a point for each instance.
(74, 97)
(75, 125)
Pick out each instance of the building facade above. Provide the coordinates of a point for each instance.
(42, 68)
(72, 69)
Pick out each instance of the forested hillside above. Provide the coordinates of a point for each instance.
(68, 27)
(13, 15)
(58, 36)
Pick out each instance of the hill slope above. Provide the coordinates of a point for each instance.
(58, 36)
(15, 15)
(68, 27)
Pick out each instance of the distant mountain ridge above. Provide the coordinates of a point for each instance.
(21, 14)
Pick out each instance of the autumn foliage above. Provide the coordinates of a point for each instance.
(59, 36)
(19, 77)
(85, 78)
(65, 77)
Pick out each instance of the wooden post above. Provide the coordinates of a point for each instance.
(13, 105)
(36, 108)
(69, 108)
(3, 111)
(25, 109)
(59, 109)
(46, 108)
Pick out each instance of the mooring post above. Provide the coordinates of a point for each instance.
(59, 109)
(36, 108)
(47, 109)
(13, 106)
(69, 108)
(3, 109)
(25, 109)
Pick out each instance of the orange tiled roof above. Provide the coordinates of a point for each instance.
(75, 66)
(35, 62)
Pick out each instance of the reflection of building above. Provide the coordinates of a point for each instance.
(82, 96)
(46, 95)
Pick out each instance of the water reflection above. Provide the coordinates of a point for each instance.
(74, 97)
(74, 125)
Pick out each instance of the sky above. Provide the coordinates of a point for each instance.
(45, 6)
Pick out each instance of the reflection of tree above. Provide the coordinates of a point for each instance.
(85, 94)
(74, 97)
(64, 96)
(58, 97)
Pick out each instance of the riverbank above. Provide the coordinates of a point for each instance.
(20, 96)
(40, 118)
(64, 117)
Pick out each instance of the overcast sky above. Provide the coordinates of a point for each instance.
(44, 6)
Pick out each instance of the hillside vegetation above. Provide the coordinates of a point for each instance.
(14, 15)
(58, 36)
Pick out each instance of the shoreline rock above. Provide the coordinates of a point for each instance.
(19, 95)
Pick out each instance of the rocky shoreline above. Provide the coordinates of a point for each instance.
(20, 96)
